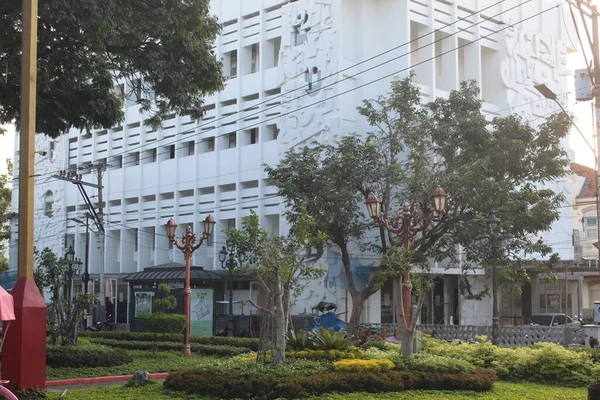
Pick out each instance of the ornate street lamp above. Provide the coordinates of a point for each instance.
(229, 262)
(492, 238)
(188, 246)
(73, 270)
(406, 226)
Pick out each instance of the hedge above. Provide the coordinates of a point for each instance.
(91, 355)
(248, 343)
(228, 386)
(226, 351)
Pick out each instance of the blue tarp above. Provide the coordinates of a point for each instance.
(8, 280)
(329, 320)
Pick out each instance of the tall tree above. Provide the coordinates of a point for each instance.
(5, 213)
(484, 165)
(161, 48)
(281, 266)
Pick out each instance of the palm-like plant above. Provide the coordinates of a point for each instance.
(300, 341)
(329, 339)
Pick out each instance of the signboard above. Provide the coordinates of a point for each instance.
(143, 303)
(201, 312)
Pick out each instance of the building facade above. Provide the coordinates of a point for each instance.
(296, 72)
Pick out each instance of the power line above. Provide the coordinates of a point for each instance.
(132, 151)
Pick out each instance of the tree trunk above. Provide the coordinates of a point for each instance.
(358, 302)
(279, 358)
(407, 338)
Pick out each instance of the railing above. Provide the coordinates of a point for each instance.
(525, 335)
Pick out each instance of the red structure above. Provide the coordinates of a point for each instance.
(24, 344)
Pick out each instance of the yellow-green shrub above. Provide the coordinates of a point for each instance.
(329, 355)
(363, 365)
(246, 357)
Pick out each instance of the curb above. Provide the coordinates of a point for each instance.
(99, 379)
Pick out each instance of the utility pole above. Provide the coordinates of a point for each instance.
(24, 344)
(101, 239)
(596, 57)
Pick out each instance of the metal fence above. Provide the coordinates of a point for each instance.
(525, 335)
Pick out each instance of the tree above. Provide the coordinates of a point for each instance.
(164, 301)
(65, 314)
(162, 49)
(484, 165)
(280, 264)
(5, 213)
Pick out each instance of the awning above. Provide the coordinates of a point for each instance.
(8, 280)
(173, 272)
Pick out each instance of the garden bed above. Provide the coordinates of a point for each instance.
(273, 385)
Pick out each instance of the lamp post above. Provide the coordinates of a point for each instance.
(229, 262)
(492, 238)
(406, 226)
(188, 246)
(73, 270)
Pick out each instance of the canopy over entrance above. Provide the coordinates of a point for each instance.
(173, 272)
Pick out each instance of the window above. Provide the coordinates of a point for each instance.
(232, 140)
(51, 150)
(137, 157)
(271, 52)
(271, 132)
(313, 79)
(233, 64)
(48, 203)
(231, 223)
(120, 91)
(211, 143)
(171, 151)
(254, 59)
(590, 226)
(191, 147)
(154, 155)
(253, 135)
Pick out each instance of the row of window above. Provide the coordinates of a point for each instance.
(228, 141)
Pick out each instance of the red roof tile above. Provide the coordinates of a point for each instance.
(591, 182)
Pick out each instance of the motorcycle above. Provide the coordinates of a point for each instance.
(101, 326)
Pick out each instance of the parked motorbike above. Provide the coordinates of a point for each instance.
(101, 326)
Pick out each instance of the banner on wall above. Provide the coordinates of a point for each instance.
(143, 303)
(201, 312)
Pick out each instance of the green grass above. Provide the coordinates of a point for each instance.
(502, 391)
(142, 360)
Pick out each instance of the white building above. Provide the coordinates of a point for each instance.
(297, 70)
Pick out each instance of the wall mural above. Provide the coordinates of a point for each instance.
(533, 58)
(308, 53)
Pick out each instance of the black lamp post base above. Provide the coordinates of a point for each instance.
(230, 327)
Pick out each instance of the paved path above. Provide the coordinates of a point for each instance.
(82, 383)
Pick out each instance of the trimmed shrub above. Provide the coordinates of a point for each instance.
(163, 323)
(543, 362)
(363, 365)
(225, 351)
(326, 355)
(228, 386)
(249, 343)
(91, 355)
(378, 344)
(433, 364)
